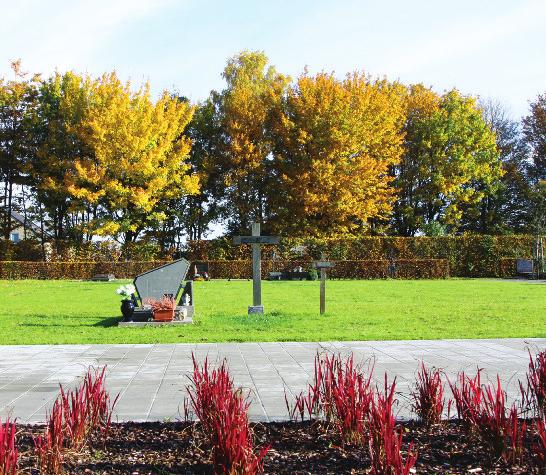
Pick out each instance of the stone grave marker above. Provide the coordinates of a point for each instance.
(323, 266)
(256, 240)
(166, 280)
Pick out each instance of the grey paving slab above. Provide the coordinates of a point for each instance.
(151, 379)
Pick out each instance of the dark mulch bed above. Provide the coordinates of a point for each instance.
(296, 448)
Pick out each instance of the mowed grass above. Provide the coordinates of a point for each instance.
(57, 312)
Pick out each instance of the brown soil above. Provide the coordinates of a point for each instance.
(296, 448)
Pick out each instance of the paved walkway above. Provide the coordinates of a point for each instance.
(151, 378)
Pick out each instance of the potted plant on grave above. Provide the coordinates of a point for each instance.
(162, 309)
(127, 305)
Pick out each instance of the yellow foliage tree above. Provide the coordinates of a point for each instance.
(137, 160)
(335, 141)
(253, 89)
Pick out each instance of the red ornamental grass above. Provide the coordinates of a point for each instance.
(536, 381)
(539, 447)
(500, 430)
(312, 402)
(385, 441)
(49, 447)
(428, 396)
(222, 411)
(468, 394)
(339, 393)
(74, 409)
(87, 409)
(9, 454)
(483, 410)
(99, 406)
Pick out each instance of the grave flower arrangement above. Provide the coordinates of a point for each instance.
(127, 305)
(163, 309)
(126, 291)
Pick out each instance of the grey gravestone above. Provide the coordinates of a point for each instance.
(103, 277)
(165, 280)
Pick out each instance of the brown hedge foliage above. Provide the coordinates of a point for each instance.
(242, 269)
(507, 267)
(468, 255)
(368, 269)
(73, 270)
(67, 251)
(239, 269)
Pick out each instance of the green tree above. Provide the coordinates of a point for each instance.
(197, 212)
(451, 161)
(506, 208)
(63, 104)
(534, 130)
(17, 114)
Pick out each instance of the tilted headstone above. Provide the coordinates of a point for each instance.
(165, 280)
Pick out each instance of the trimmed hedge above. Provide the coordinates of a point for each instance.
(240, 269)
(73, 270)
(67, 251)
(468, 256)
(405, 269)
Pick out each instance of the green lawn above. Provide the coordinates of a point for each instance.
(36, 312)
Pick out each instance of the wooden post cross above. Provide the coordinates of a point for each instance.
(256, 240)
(323, 266)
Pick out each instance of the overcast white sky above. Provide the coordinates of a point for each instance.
(491, 48)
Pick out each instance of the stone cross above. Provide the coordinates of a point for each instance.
(323, 265)
(256, 240)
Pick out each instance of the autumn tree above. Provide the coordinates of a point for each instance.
(335, 141)
(450, 161)
(136, 160)
(243, 108)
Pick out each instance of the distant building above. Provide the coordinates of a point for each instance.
(23, 227)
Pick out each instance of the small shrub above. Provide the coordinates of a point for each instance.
(312, 274)
(428, 397)
(9, 455)
(49, 447)
(222, 411)
(385, 441)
